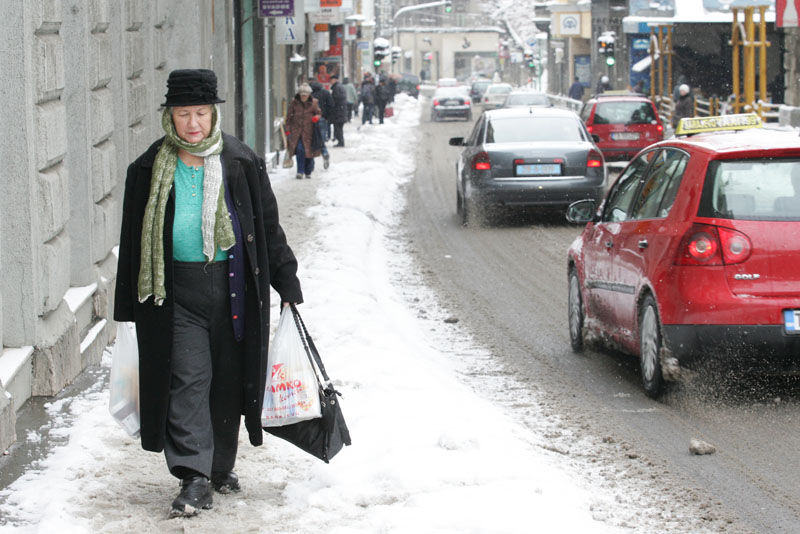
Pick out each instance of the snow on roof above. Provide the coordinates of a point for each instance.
(688, 11)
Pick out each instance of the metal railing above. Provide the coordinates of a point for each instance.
(562, 101)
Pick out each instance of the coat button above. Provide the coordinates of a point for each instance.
(250, 238)
(257, 270)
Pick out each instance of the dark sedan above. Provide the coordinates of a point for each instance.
(526, 157)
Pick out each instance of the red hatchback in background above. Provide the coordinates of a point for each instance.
(695, 250)
(622, 123)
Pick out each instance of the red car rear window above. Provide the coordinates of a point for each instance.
(624, 113)
(762, 189)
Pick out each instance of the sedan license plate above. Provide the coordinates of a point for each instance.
(791, 321)
(625, 136)
(538, 169)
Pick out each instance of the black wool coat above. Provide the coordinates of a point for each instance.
(339, 114)
(270, 261)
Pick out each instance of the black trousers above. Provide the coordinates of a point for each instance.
(338, 132)
(206, 394)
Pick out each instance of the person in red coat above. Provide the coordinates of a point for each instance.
(199, 248)
(301, 122)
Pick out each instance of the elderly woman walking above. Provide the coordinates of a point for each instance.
(301, 121)
(200, 245)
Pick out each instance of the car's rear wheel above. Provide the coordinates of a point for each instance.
(575, 312)
(650, 347)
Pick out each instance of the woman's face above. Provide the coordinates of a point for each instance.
(192, 123)
(304, 96)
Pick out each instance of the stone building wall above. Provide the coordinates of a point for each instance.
(82, 81)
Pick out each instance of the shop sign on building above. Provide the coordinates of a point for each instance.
(275, 8)
(290, 30)
(569, 24)
(786, 11)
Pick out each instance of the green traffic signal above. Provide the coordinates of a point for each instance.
(610, 61)
(377, 62)
(448, 7)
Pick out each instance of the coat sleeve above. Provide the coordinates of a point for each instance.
(282, 262)
(126, 282)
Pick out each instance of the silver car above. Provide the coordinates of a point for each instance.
(532, 156)
(495, 95)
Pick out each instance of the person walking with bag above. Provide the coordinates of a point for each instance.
(200, 246)
(325, 102)
(302, 119)
(381, 99)
(339, 113)
(367, 99)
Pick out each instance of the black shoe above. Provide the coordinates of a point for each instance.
(326, 162)
(195, 495)
(337, 145)
(225, 482)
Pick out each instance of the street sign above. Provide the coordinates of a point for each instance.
(275, 8)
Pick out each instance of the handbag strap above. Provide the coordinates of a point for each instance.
(308, 343)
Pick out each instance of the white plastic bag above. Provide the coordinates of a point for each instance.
(124, 381)
(292, 391)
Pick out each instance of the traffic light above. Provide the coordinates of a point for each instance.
(529, 58)
(380, 50)
(601, 46)
(448, 6)
(396, 53)
(610, 59)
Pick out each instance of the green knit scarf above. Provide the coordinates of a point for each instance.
(216, 223)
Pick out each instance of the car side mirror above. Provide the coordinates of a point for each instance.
(582, 211)
(457, 141)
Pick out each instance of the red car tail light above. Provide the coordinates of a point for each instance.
(706, 244)
(417, 87)
(660, 128)
(485, 98)
(481, 162)
(466, 101)
(435, 102)
(736, 246)
(589, 129)
(594, 159)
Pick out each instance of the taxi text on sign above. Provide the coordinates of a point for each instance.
(786, 12)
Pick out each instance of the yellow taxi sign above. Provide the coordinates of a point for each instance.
(741, 121)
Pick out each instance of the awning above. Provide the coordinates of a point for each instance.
(691, 12)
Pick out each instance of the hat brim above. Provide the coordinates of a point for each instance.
(176, 102)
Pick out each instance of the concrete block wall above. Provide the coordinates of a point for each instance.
(82, 81)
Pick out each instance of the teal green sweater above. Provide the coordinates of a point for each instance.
(187, 235)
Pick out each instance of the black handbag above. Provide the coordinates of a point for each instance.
(324, 436)
(317, 138)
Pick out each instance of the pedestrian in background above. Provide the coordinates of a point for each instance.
(200, 246)
(684, 106)
(381, 99)
(603, 85)
(576, 90)
(339, 113)
(302, 118)
(352, 98)
(367, 95)
(639, 87)
(325, 101)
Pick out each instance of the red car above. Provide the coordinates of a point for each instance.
(622, 123)
(695, 248)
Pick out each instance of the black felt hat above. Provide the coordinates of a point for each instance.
(191, 87)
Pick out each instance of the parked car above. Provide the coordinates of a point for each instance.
(451, 102)
(409, 84)
(525, 98)
(526, 157)
(694, 252)
(477, 88)
(622, 123)
(495, 95)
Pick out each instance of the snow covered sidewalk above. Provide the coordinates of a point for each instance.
(429, 454)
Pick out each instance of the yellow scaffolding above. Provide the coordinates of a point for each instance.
(743, 40)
